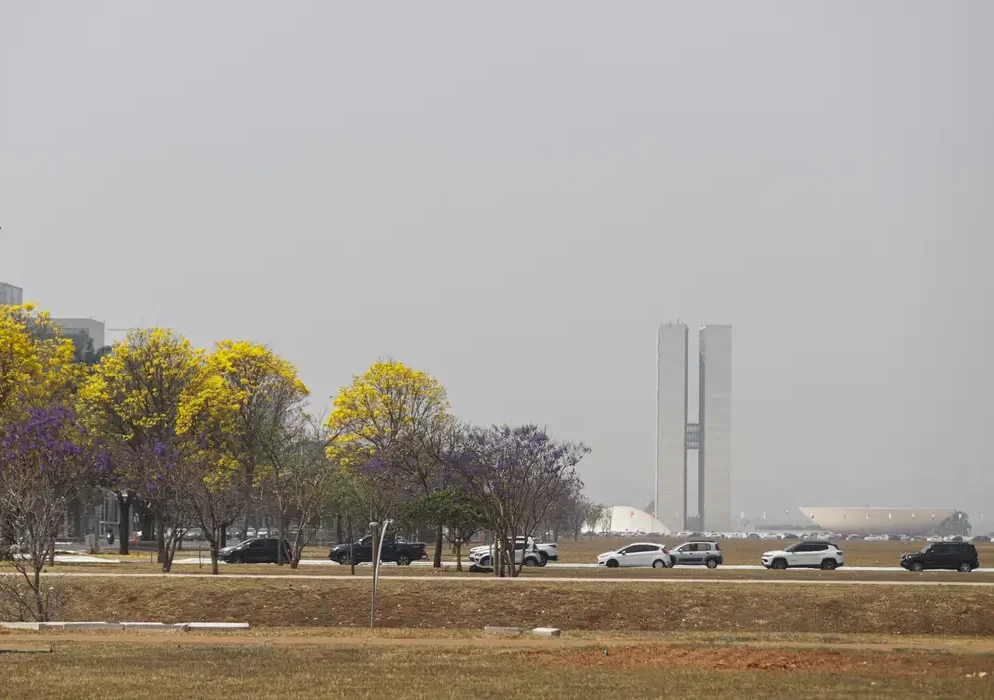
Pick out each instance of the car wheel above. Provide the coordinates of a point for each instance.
(530, 561)
(659, 564)
(485, 562)
(779, 564)
(612, 564)
(403, 560)
(916, 566)
(828, 565)
(965, 567)
(544, 558)
(712, 563)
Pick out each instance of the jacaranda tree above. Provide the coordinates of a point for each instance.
(46, 460)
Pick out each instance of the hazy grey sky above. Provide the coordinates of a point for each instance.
(513, 198)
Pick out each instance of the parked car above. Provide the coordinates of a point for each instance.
(696, 553)
(526, 553)
(875, 538)
(980, 538)
(639, 554)
(257, 550)
(812, 555)
(853, 537)
(960, 556)
(395, 549)
(549, 549)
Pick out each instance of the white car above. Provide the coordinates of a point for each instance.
(525, 553)
(811, 555)
(639, 554)
(875, 538)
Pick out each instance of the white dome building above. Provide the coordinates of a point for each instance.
(876, 521)
(629, 519)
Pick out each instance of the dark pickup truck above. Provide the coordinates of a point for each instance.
(395, 549)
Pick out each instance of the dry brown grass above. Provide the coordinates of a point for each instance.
(632, 606)
(81, 670)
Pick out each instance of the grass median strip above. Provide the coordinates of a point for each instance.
(656, 606)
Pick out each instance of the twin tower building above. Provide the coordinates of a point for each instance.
(710, 436)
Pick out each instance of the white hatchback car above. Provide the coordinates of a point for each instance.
(638, 554)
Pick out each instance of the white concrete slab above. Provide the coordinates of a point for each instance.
(217, 625)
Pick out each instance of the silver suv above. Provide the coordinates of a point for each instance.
(696, 553)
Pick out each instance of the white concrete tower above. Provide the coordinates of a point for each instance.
(671, 425)
(715, 456)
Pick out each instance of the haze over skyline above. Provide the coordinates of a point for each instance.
(514, 201)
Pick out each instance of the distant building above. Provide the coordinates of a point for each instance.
(876, 521)
(627, 519)
(11, 295)
(83, 332)
(711, 435)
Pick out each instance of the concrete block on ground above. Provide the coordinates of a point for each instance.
(33, 626)
(217, 625)
(147, 626)
(502, 630)
(547, 631)
(15, 648)
(83, 625)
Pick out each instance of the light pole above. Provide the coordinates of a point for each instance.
(376, 567)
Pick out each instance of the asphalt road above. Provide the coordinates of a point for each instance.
(526, 579)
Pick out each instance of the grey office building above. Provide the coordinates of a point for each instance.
(710, 435)
(671, 425)
(10, 295)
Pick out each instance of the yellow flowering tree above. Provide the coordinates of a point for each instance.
(233, 425)
(35, 361)
(378, 429)
(132, 399)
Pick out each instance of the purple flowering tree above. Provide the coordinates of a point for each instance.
(515, 476)
(156, 468)
(46, 461)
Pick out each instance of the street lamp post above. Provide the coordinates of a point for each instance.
(376, 567)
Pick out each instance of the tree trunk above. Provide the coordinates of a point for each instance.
(458, 545)
(214, 557)
(351, 547)
(124, 523)
(280, 554)
(437, 562)
(160, 538)
(42, 613)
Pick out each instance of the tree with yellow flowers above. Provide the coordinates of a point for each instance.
(378, 430)
(132, 400)
(35, 361)
(237, 431)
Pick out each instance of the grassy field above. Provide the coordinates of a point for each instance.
(571, 668)
(881, 609)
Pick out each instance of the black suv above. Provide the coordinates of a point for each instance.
(960, 556)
